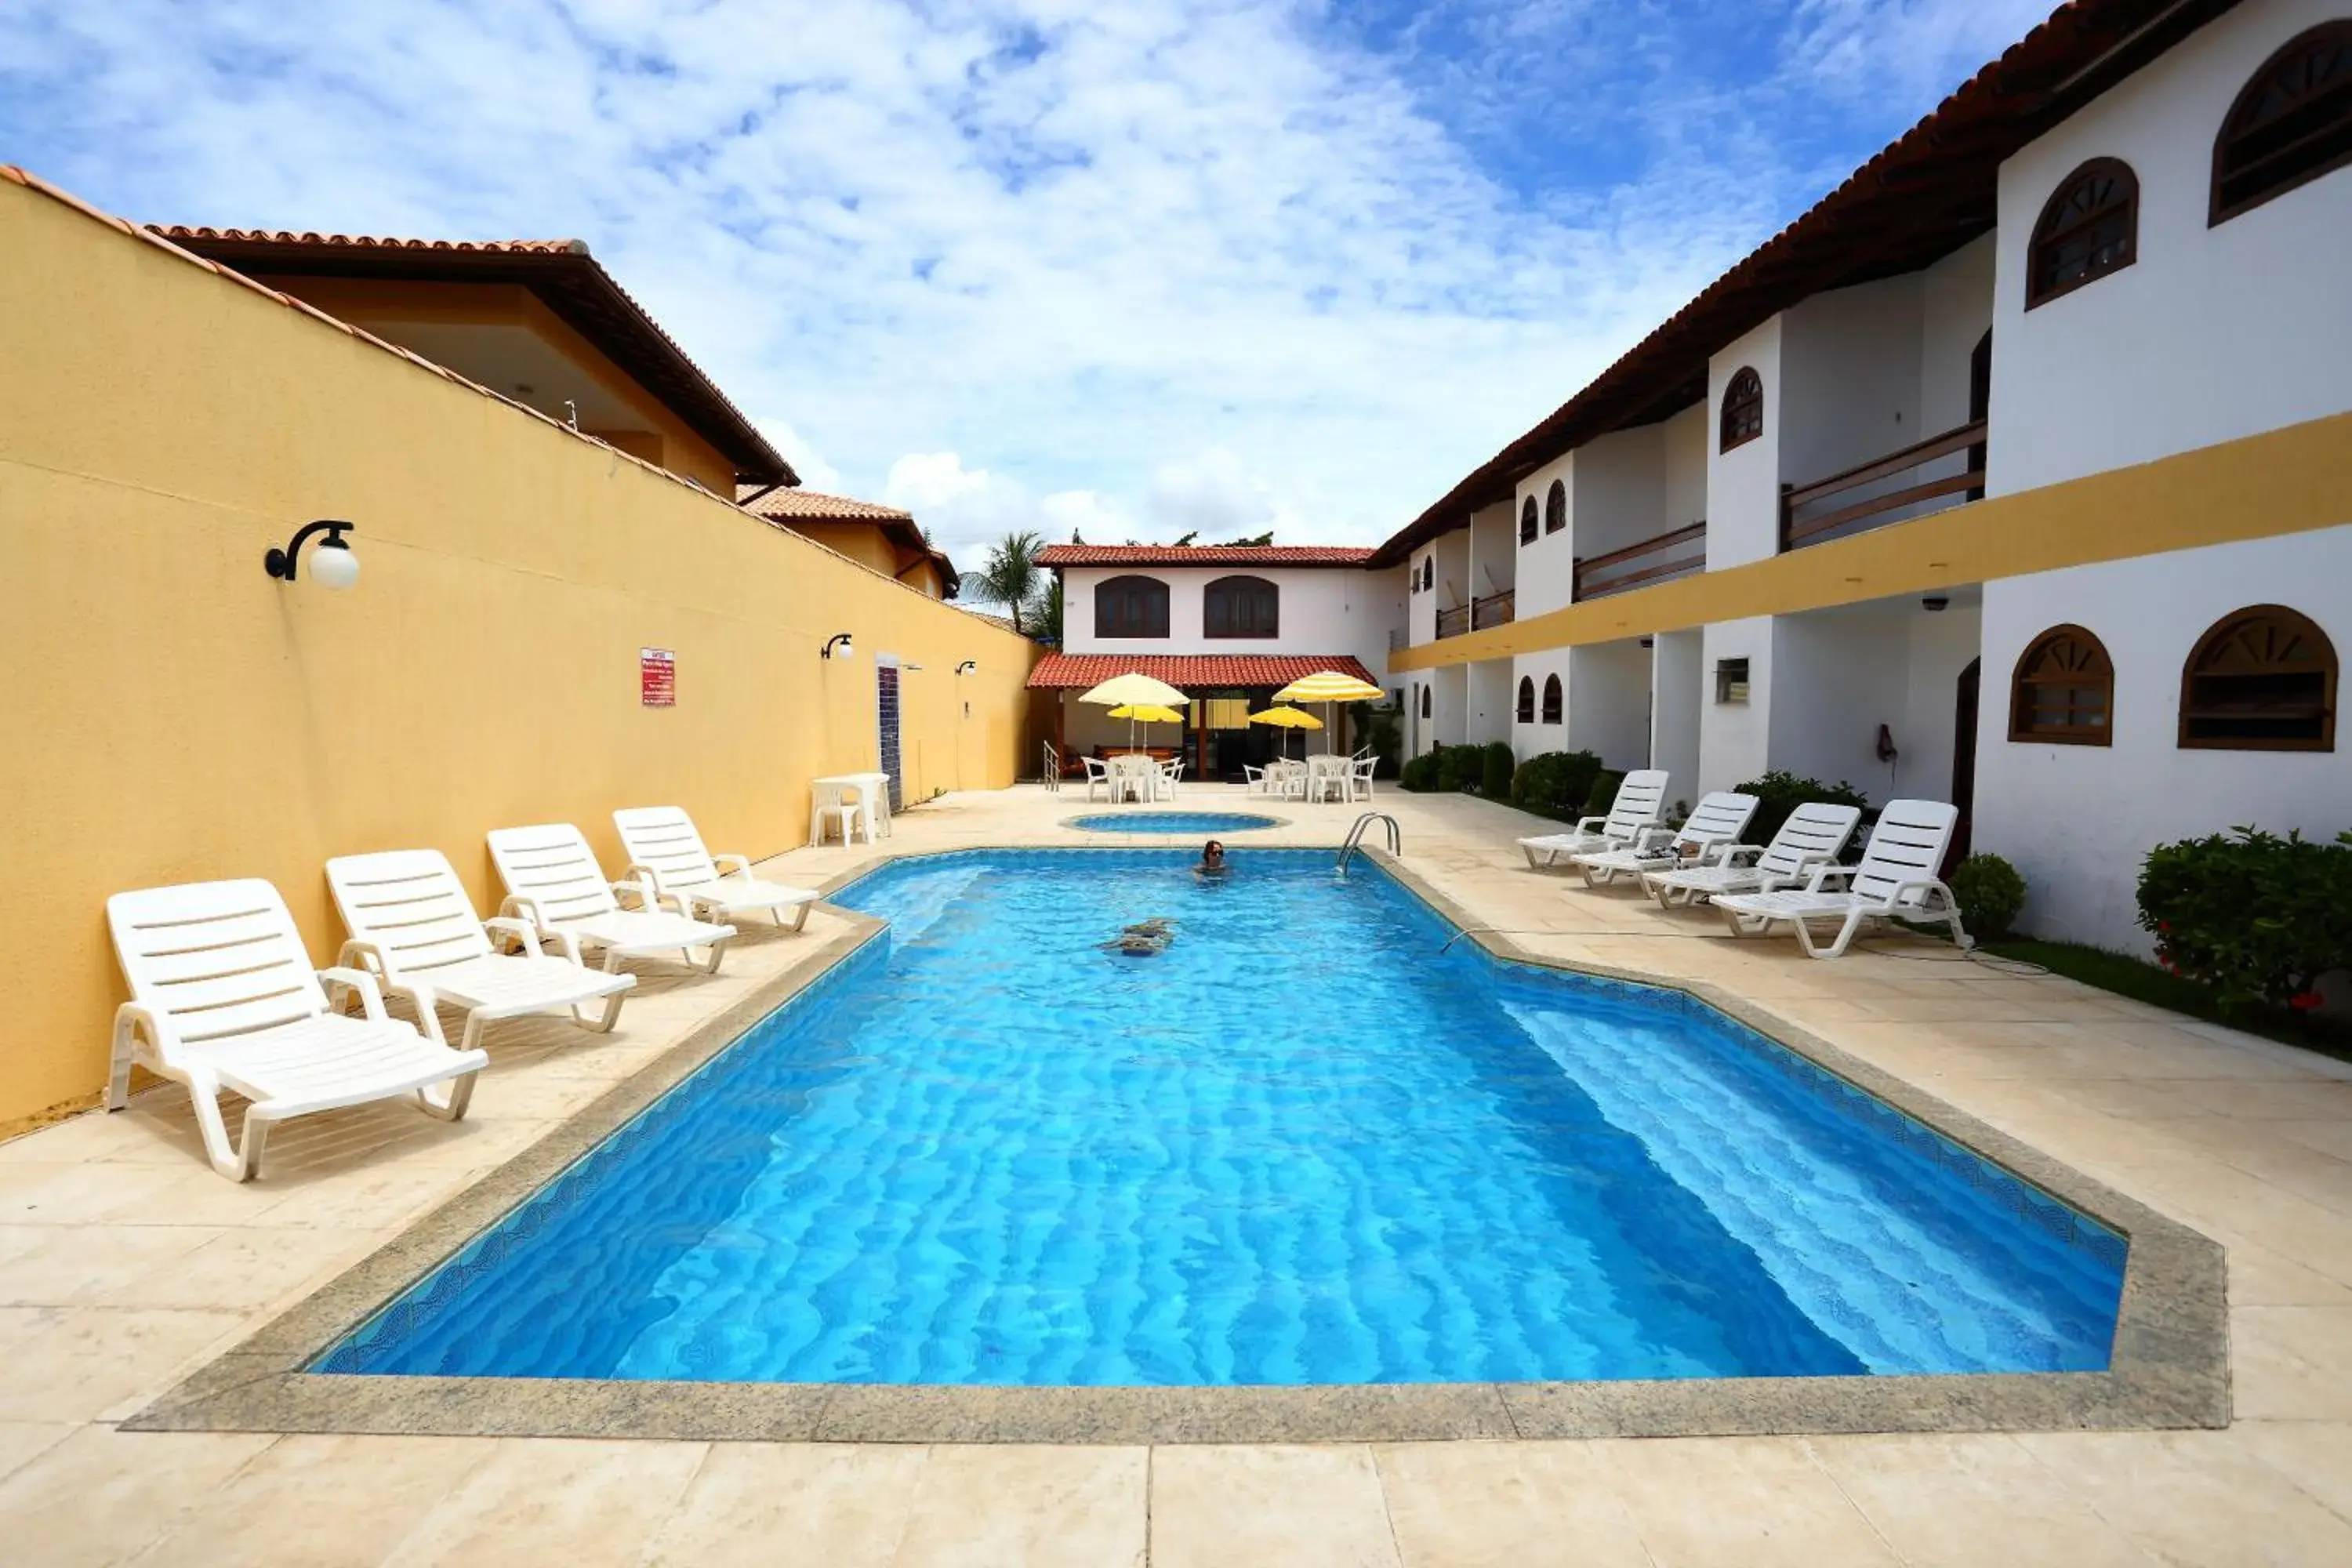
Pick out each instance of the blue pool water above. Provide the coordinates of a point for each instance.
(1201, 822)
(1305, 1143)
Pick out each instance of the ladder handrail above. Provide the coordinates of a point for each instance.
(1356, 836)
(1053, 768)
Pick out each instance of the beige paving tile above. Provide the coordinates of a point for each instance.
(101, 1496)
(574, 1503)
(319, 1502)
(2315, 1456)
(1507, 1505)
(2195, 1498)
(81, 1363)
(2260, 1277)
(757, 1505)
(2286, 1363)
(979, 1506)
(1741, 1502)
(55, 1265)
(1943, 1502)
(1300, 1507)
(23, 1441)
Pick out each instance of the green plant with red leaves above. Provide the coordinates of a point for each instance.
(2255, 916)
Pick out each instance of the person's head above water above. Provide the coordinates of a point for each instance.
(1213, 853)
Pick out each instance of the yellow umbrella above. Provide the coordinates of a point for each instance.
(1328, 685)
(1147, 714)
(1135, 685)
(1286, 718)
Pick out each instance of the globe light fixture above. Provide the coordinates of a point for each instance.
(333, 564)
(839, 640)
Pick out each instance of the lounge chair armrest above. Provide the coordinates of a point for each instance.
(1733, 853)
(522, 932)
(651, 898)
(1824, 872)
(158, 1028)
(1924, 885)
(523, 906)
(742, 864)
(1649, 837)
(359, 980)
(636, 872)
(1591, 824)
(359, 953)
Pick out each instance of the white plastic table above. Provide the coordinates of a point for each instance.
(873, 795)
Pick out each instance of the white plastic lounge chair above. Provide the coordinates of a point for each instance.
(1897, 879)
(1714, 828)
(415, 930)
(1813, 835)
(662, 846)
(1641, 799)
(223, 997)
(553, 881)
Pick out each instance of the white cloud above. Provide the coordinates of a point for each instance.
(1083, 248)
(814, 472)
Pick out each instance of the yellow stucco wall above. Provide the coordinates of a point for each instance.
(177, 715)
(2290, 481)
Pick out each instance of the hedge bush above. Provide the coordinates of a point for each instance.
(1990, 893)
(1495, 772)
(1457, 767)
(1419, 773)
(2255, 916)
(1779, 792)
(1603, 792)
(1554, 783)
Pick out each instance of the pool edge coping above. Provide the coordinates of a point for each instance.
(2169, 1366)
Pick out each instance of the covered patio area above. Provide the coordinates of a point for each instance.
(1223, 690)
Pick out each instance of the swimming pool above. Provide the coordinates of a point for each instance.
(1305, 1143)
(1185, 822)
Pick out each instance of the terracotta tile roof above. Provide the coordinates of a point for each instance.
(1080, 671)
(1926, 194)
(815, 506)
(1202, 555)
(787, 507)
(561, 272)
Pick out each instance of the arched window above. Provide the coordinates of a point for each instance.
(1743, 409)
(1556, 508)
(2063, 690)
(2292, 122)
(1527, 700)
(1131, 607)
(1424, 701)
(1551, 699)
(2089, 228)
(2263, 679)
(1528, 521)
(1241, 607)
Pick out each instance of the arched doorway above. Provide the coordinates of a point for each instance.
(1964, 761)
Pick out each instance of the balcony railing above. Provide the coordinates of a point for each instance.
(1494, 610)
(1845, 510)
(1674, 554)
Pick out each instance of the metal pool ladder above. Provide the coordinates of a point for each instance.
(1356, 836)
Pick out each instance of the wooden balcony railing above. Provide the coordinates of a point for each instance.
(1650, 561)
(1494, 610)
(1797, 531)
(1453, 623)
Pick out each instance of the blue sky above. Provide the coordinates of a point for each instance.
(1136, 269)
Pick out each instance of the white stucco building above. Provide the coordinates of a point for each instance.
(2018, 473)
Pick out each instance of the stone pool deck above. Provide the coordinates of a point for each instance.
(125, 1265)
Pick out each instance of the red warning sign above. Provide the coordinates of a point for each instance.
(657, 678)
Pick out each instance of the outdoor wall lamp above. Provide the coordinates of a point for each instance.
(967, 667)
(332, 563)
(838, 640)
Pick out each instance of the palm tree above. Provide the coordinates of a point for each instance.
(1012, 577)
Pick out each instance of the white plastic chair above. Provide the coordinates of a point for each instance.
(1170, 775)
(1098, 777)
(553, 881)
(1813, 835)
(833, 812)
(1640, 800)
(663, 845)
(223, 997)
(1360, 777)
(415, 930)
(1896, 880)
(1715, 825)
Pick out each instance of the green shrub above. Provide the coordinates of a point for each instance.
(1494, 774)
(1779, 792)
(1554, 783)
(1419, 773)
(1990, 892)
(1456, 766)
(1603, 792)
(2256, 916)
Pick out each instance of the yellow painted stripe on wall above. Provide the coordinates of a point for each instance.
(2290, 480)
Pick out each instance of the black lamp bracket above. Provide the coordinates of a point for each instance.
(280, 564)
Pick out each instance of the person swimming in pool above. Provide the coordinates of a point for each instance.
(1212, 861)
(1146, 939)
